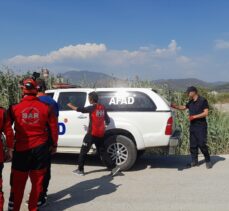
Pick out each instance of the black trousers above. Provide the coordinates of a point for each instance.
(32, 159)
(198, 140)
(1, 191)
(47, 177)
(88, 141)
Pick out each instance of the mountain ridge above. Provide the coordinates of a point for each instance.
(103, 79)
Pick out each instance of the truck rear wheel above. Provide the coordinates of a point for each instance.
(122, 150)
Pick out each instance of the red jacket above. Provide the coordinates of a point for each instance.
(32, 120)
(5, 127)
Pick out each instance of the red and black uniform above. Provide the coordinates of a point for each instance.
(95, 135)
(33, 121)
(5, 127)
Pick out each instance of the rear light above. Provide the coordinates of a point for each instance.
(169, 127)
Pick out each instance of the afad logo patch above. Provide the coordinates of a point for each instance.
(100, 113)
(30, 115)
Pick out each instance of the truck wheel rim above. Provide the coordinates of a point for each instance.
(118, 153)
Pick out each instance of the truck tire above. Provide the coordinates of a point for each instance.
(122, 150)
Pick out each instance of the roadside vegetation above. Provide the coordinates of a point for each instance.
(218, 135)
(10, 92)
(9, 88)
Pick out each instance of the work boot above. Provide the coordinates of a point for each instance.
(193, 164)
(209, 165)
(41, 203)
(78, 172)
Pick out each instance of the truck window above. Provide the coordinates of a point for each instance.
(50, 94)
(126, 101)
(76, 98)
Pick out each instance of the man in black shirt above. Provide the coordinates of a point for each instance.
(198, 111)
(95, 134)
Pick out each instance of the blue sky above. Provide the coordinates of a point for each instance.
(153, 39)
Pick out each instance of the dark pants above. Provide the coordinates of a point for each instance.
(30, 163)
(88, 141)
(198, 139)
(47, 178)
(1, 191)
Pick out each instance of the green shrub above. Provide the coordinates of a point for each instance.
(9, 88)
(10, 92)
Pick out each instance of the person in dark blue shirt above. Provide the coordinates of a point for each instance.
(46, 98)
(50, 101)
(198, 111)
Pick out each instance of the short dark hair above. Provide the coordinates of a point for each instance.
(41, 86)
(192, 89)
(94, 96)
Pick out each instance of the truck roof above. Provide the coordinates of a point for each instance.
(99, 89)
(160, 102)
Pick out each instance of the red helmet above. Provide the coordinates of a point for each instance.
(29, 86)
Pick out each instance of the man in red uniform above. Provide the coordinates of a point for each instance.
(33, 121)
(95, 134)
(5, 127)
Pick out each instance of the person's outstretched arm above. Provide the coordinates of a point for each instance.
(70, 105)
(87, 109)
(178, 107)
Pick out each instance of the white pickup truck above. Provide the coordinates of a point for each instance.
(140, 119)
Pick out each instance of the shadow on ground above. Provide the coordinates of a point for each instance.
(178, 162)
(81, 193)
(170, 162)
(72, 159)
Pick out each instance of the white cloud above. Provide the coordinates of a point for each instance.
(80, 51)
(89, 51)
(147, 61)
(221, 44)
(171, 50)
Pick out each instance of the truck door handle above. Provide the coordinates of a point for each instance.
(82, 117)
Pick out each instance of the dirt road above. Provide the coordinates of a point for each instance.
(156, 183)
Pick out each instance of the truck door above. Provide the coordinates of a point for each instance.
(72, 124)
